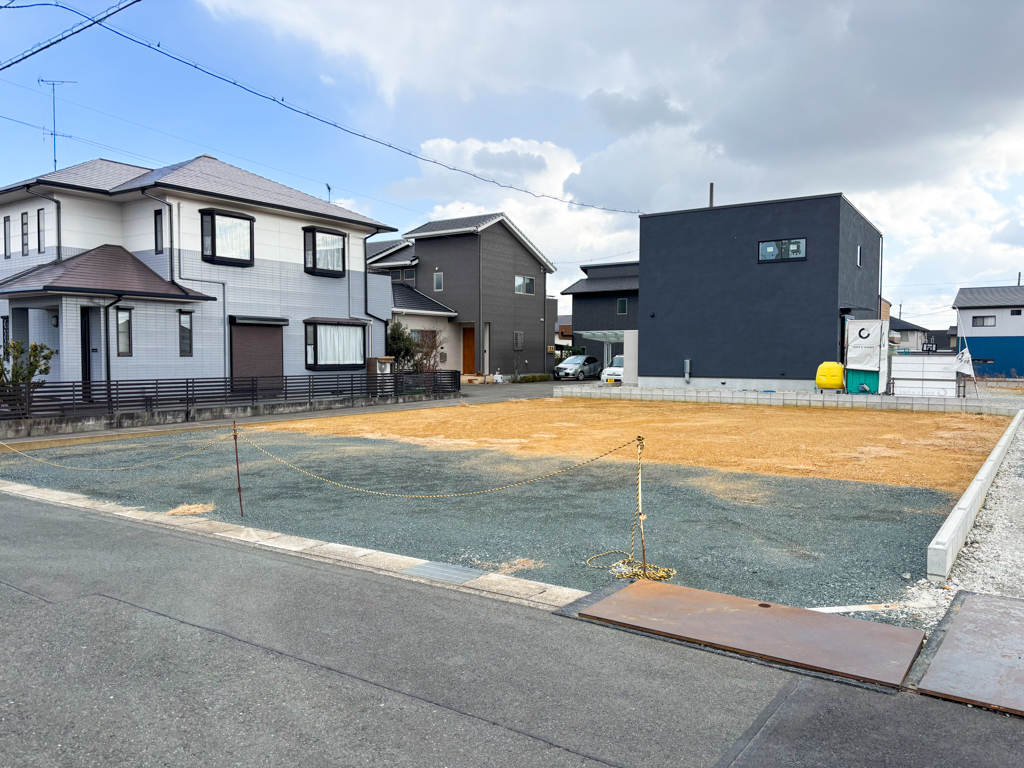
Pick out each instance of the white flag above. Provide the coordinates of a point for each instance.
(964, 363)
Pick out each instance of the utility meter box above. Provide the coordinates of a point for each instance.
(380, 365)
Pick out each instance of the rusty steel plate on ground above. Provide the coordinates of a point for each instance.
(980, 660)
(862, 650)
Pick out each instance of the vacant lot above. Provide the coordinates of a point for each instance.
(924, 450)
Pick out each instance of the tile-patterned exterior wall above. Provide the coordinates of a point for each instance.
(276, 286)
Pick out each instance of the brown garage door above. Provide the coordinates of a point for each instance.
(257, 350)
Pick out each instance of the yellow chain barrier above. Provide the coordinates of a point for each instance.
(434, 495)
(12, 449)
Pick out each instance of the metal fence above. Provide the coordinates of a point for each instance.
(81, 398)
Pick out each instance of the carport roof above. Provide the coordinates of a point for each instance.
(108, 270)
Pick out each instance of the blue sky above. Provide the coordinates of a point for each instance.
(914, 109)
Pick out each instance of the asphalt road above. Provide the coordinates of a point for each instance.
(127, 644)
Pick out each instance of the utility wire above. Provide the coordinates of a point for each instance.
(80, 27)
(280, 101)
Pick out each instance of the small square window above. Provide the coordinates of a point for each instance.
(396, 275)
(621, 306)
(324, 251)
(439, 281)
(525, 285)
(410, 274)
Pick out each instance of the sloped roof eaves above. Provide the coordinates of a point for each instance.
(896, 324)
(991, 297)
(95, 175)
(376, 249)
(446, 226)
(107, 270)
(408, 299)
(603, 285)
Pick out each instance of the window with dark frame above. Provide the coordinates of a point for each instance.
(124, 332)
(324, 251)
(439, 281)
(1014, 311)
(782, 250)
(184, 333)
(621, 306)
(983, 321)
(410, 274)
(228, 237)
(335, 346)
(24, 233)
(158, 230)
(525, 285)
(41, 230)
(7, 237)
(396, 275)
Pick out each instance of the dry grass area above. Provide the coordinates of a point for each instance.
(926, 450)
(192, 509)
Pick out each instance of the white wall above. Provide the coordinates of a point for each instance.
(88, 223)
(451, 331)
(1006, 324)
(18, 263)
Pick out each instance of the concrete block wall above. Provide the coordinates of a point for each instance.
(805, 399)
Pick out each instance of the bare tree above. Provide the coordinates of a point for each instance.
(428, 355)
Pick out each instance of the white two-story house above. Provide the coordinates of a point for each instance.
(196, 270)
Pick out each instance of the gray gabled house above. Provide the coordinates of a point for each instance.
(605, 303)
(196, 270)
(486, 271)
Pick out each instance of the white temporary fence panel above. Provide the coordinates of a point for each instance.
(924, 375)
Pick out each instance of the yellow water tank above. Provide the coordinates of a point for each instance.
(830, 376)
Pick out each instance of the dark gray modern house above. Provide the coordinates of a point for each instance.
(605, 303)
(489, 273)
(753, 296)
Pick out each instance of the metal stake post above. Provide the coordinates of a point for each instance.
(238, 470)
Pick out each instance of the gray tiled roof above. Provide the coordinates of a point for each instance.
(409, 299)
(603, 285)
(998, 296)
(895, 324)
(108, 270)
(205, 175)
(374, 247)
(564, 320)
(444, 225)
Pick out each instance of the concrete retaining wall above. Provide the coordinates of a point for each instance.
(948, 542)
(67, 425)
(806, 399)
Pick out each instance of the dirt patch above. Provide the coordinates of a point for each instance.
(927, 450)
(738, 490)
(192, 509)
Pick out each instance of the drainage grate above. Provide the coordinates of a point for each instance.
(453, 574)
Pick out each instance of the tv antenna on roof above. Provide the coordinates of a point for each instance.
(53, 94)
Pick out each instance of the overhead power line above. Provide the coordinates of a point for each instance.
(80, 27)
(280, 101)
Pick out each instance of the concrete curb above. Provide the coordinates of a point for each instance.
(804, 399)
(532, 594)
(944, 548)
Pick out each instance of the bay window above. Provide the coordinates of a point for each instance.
(333, 344)
(324, 251)
(227, 237)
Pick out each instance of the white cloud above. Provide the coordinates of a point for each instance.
(327, 80)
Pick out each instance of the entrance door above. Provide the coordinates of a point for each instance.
(469, 350)
(257, 350)
(86, 346)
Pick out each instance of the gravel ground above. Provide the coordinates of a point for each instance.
(997, 395)
(992, 560)
(798, 541)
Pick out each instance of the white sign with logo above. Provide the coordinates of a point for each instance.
(866, 344)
